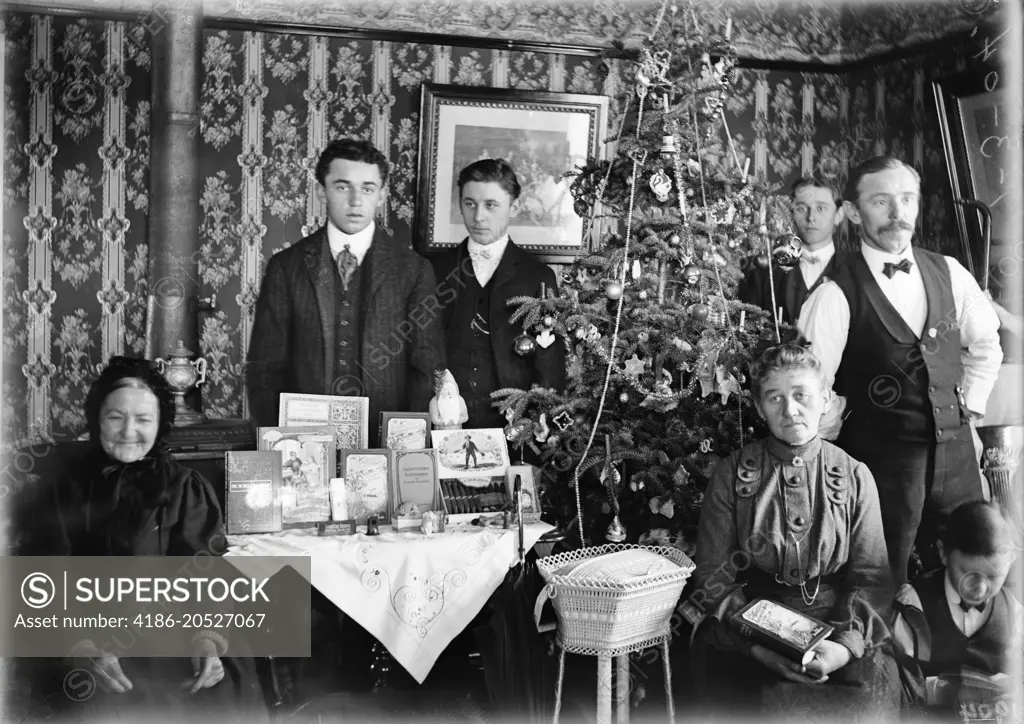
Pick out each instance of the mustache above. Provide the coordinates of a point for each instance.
(902, 226)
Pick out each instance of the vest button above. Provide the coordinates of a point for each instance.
(344, 343)
(796, 479)
(799, 520)
(797, 460)
(938, 410)
(953, 408)
(938, 433)
(794, 572)
(344, 323)
(931, 389)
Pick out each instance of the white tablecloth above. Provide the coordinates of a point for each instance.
(414, 593)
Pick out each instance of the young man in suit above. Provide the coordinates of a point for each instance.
(912, 342)
(480, 275)
(817, 210)
(331, 302)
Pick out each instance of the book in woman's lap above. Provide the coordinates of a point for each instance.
(781, 629)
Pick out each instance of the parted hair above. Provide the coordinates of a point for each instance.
(351, 149)
(487, 170)
(977, 528)
(874, 165)
(782, 358)
(818, 182)
(129, 372)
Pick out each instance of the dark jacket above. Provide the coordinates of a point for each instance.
(790, 289)
(518, 274)
(293, 337)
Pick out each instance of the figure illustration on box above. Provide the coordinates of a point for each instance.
(458, 450)
(366, 484)
(304, 492)
(407, 434)
(470, 448)
(447, 409)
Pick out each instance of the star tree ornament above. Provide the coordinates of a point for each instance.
(635, 366)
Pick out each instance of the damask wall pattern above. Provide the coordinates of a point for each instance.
(76, 172)
(75, 213)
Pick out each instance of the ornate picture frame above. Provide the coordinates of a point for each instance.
(973, 123)
(543, 135)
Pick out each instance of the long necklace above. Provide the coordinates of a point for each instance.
(807, 597)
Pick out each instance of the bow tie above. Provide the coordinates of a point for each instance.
(966, 607)
(810, 259)
(481, 254)
(890, 269)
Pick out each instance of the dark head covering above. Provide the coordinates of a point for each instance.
(117, 374)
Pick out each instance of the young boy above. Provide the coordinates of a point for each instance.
(957, 629)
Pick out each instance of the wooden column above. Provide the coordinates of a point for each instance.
(174, 214)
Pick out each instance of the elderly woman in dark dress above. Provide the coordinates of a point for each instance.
(122, 494)
(794, 519)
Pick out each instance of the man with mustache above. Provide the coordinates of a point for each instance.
(817, 210)
(911, 341)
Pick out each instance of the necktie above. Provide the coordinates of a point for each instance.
(347, 264)
(890, 269)
(966, 607)
(481, 254)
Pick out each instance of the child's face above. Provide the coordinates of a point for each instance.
(792, 403)
(978, 578)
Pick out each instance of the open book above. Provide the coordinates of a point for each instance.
(781, 629)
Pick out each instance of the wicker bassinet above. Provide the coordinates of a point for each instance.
(614, 598)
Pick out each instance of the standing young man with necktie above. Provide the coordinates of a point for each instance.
(911, 341)
(817, 210)
(331, 298)
(481, 274)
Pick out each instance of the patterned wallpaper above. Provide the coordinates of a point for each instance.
(825, 31)
(76, 169)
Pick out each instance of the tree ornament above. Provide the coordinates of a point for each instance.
(706, 446)
(787, 250)
(613, 290)
(733, 243)
(624, 398)
(562, 420)
(661, 185)
(549, 321)
(545, 339)
(668, 147)
(674, 240)
(700, 312)
(525, 345)
(580, 418)
(691, 274)
(616, 532)
(763, 229)
(642, 294)
(762, 261)
(643, 337)
(635, 366)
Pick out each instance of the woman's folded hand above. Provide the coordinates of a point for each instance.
(783, 666)
(828, 657)
(207, 668)
(107, 671)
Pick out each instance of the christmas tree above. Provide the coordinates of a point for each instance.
(658, 346)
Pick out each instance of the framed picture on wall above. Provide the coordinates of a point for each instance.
(542, 135)
(976, 136)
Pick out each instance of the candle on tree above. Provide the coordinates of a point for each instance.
(746, 169)
(764, 213)
(728, 28)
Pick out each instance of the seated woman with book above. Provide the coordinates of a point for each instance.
(793, 520)
(123, 494)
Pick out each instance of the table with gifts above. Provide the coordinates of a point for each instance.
(414, 593)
